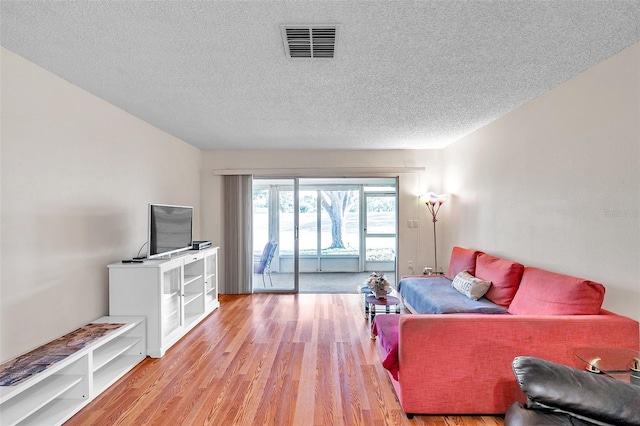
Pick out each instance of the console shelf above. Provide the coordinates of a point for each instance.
(54, 413)
(112, 350)
(113, 371)
(35, 398)
(189, 279)
(188, 298)
(55, 394)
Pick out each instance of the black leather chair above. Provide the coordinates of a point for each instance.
(561, 395)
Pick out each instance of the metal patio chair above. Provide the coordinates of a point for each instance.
(263, 266)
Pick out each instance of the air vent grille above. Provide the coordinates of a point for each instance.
(309, 41)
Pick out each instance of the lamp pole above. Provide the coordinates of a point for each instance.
(435, 245)
(434, 202)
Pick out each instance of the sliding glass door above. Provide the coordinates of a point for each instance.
(328, 232)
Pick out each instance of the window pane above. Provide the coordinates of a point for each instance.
(381, 214)
(381, 249)
(339, 227)
(260, 220)
(285, 208)
(308, 223)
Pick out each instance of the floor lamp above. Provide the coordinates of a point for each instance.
(434, 202)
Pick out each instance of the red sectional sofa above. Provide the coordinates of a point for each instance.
(460, 363)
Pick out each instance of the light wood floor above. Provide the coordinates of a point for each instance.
(265, 359)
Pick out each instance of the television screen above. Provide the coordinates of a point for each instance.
(170, 229)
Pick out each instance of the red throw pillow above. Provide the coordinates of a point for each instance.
(462, 259)
(504, 276)
(547, 293)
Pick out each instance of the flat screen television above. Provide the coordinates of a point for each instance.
(170, 230)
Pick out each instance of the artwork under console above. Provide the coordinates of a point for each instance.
(173, 294)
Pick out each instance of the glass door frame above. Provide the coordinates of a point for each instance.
(364, 265)
(274, 193)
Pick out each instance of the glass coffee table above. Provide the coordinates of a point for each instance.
(371, 302)
(618, 363)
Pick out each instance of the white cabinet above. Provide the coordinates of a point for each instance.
(55, 394)
(173, 294)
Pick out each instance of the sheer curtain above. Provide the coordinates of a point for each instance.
(238, 256)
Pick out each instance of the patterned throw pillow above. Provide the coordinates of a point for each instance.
(472, 287)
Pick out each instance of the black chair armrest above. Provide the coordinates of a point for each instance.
(578, 392)
(517, 415)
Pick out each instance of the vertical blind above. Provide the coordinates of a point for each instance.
(238, 256)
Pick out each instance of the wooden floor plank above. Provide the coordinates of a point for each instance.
(266, 359)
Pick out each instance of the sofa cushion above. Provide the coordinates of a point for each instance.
(472, 287)
(436, 296)
(504, 276)
(548, 293)
(462, 259)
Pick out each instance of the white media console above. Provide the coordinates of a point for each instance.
(54, 395)
(173, 294)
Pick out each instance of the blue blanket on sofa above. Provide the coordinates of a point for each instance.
(436, 296)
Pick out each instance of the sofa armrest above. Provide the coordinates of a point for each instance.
(470, 355)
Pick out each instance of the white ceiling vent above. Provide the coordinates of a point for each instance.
(309, 41)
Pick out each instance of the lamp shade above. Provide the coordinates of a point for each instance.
(434, 199)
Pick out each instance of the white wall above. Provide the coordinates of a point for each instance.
(556, 182)
(415, 245)
(77, 175)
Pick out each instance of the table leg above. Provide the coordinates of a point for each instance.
(366, 306)
(372, 316)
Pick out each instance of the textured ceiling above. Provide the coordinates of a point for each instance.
(406, 74)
